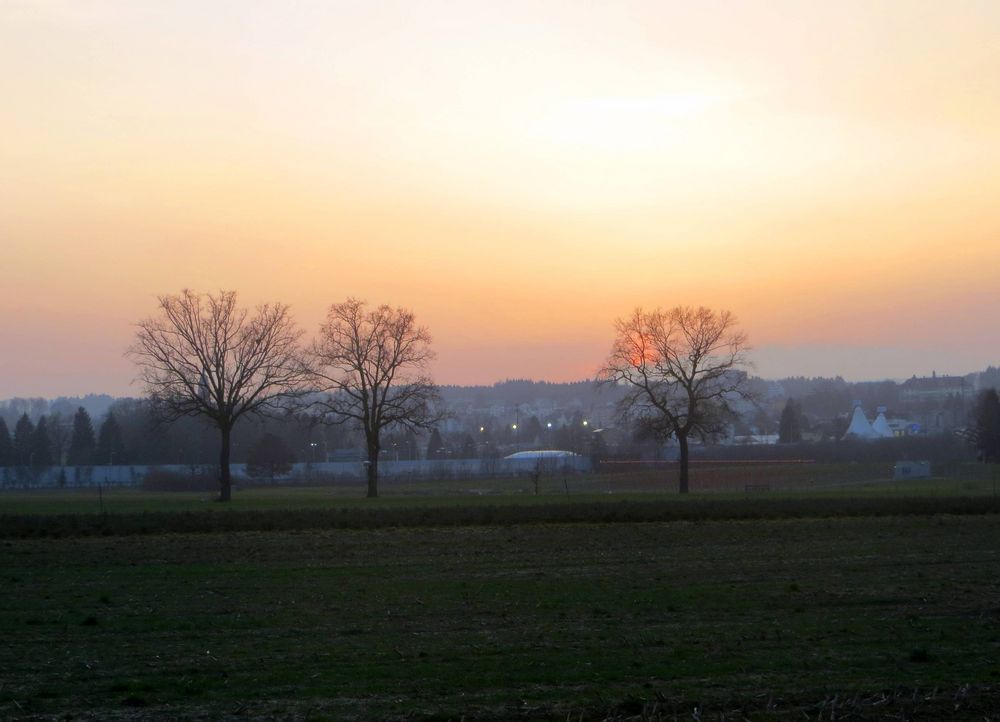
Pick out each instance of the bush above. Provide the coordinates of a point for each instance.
(199, 479)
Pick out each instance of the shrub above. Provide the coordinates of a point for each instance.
(199, 479)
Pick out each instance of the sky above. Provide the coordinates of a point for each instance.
(520, 174)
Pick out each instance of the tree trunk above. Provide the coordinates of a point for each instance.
(682, 439)
(373, 451)
(225, 480)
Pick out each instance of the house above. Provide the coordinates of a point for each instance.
(937, 403)
(936, 389)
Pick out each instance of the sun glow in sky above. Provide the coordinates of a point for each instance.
(518, 173)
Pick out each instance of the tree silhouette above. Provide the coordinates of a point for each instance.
(270, 457)
(81, 442)
(987, 428)
(205, 356)
(790, 425)
(372, 365)
(435, 446)
(6, 445)
(110, 448)
(24, 430)
(680, 369)
(41, 445)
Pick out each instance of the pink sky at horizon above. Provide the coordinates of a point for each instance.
(518, 175)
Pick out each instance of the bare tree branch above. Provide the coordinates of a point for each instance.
(680, 369)
(202, 355)
(372, 367)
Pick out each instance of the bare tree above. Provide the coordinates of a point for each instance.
(680, 370)
(372, 366)
(202, 355)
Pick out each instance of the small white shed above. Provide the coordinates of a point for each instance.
(912, 470)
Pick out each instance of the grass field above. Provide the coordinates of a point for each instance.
(805, 481)
(130, 512)
(816, 616)
(524, 622)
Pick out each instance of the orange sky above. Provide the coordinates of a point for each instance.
(517, 173)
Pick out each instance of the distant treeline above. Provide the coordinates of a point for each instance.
(130, 433)
(101, 430)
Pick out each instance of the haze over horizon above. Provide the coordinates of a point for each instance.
(833, 364)
(519, 176)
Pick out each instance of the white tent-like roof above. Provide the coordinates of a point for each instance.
(880, 426)
(860, 428)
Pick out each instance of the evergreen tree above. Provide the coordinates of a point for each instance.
(41, 445)
(987, 433)
(110, 448)
(435, 447)
(81, 444)
(468, 447)
(790, 425)
(6, 446)
(23, 433)
(59, 432)
(145, 441)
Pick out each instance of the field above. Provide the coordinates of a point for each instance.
(713, 481)
(803, 613)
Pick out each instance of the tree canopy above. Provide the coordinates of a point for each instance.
(372, 366)
(790, 425)
(41, 445)
(681, 370)
(6, 446)
(204, 355)
(110, 447)
(24, 432)
(987, 426)
(81, 443)
(269, 458)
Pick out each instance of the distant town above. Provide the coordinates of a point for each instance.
(101, 439)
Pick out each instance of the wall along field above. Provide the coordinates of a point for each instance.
(775, 618)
